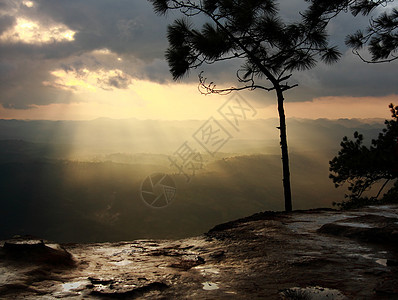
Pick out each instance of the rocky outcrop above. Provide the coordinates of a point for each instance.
(34, 251)
(299, 255)
(368, 228)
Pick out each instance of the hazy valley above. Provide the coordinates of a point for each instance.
(80, 180)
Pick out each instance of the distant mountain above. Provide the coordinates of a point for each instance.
(19, 150)
(104, 136)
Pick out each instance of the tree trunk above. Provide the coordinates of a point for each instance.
(285, 153)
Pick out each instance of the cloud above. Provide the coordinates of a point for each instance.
(117, 79)
(123, 27)
(31, 32)
(76, 79)
(119, 41)
(21, 84)
(6, 22)
(349, 77)
(40, 37)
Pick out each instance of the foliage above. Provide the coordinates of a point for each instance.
(392, 195)
(380, 37)
(362, 167)
(251, 30)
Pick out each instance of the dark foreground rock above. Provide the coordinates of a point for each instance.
(34, 251)
(368, 228)
(123, 292)
(317, 254)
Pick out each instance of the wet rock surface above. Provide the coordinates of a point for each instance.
(368, 228)
(315, 254)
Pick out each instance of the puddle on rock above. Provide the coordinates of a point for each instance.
(352, 224)
(379, 261)
(121, 263)
(382, 261)
(73, 286)
(209, 286)
(207, 270)
(302, 224)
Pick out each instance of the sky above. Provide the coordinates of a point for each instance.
(87, 59)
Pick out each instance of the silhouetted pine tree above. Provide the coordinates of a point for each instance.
(362, 167)
(252, 31)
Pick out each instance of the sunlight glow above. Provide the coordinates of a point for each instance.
(146, 100)
(101, 51)
(28, 3)
(84, 79)
(31, 32)
(342, 107)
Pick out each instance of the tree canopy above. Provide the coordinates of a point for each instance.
(363, 167)
(252, 30)
(380, 37)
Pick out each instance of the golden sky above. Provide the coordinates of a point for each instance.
(148, 100)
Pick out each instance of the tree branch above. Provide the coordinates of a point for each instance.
(210, 88)
(355, 52)
(382, 187)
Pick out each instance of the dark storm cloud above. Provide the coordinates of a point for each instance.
(132, 31)
(122, 26)
(6, 21)
(350, 76)
(129, 29)
(8, 5)
(119, 81)
(21, 84)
